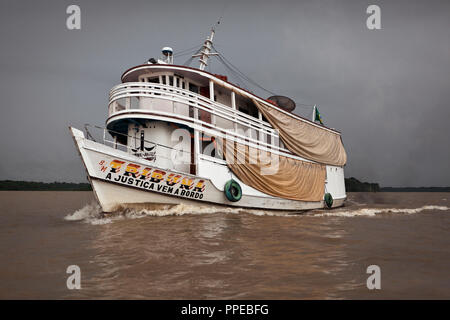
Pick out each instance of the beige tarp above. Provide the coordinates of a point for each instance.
(304, 139)
(276, 175)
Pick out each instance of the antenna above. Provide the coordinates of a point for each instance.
(206, 48)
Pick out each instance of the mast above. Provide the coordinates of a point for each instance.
(206, 50)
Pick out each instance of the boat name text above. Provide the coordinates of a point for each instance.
(152, 179)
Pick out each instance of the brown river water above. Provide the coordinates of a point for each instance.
(207, 253)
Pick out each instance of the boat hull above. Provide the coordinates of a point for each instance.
(120, 180)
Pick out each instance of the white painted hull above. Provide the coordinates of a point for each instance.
(116, 189)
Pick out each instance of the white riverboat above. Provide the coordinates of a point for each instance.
(184, 135)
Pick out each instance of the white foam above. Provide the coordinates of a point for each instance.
(370, 212)
(90, 213)
(177, 210)
(183, 209)
(87, 211)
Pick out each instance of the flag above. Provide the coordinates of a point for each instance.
(318, 117)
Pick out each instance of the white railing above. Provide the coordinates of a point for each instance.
(195, 101)
(105, 139)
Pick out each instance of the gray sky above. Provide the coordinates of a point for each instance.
(387, 91)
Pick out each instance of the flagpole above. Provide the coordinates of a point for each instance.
(314, 114)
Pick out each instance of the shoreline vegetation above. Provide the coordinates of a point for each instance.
(9, 185)
(354, 185)
(351, 185)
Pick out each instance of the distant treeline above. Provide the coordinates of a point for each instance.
(351, 185)
(354, 185)
(415, 189)
(43, 186)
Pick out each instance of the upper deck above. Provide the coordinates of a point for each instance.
(203, 79)
(196, 99)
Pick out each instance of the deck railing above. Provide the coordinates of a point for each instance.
(192, 106)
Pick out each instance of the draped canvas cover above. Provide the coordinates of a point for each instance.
(305, 139)
(275, 175)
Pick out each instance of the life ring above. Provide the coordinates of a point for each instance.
(328, 200)
(233, 191)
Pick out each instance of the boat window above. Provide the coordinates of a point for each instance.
(193, 88)
(252, 110)
(153, 80)
(171, 80)
(179, 82)
(243, 110)
(163, 78)
(249, 109)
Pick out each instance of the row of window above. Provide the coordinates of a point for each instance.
(171, 81)
(181, 83)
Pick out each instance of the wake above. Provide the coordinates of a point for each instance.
(371, 212)
(92, 213)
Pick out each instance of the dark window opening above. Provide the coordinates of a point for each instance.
(249, 109)
(243, 110)
(252, 111)
(193, 88)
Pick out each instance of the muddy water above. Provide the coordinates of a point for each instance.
(206, 253)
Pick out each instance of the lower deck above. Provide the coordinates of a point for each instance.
(121, 179)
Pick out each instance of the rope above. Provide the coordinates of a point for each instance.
(189, 61)
(234, 74)
(240, 77)
(225, 60)
(183, 52)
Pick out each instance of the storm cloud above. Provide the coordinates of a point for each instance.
(387, 91)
